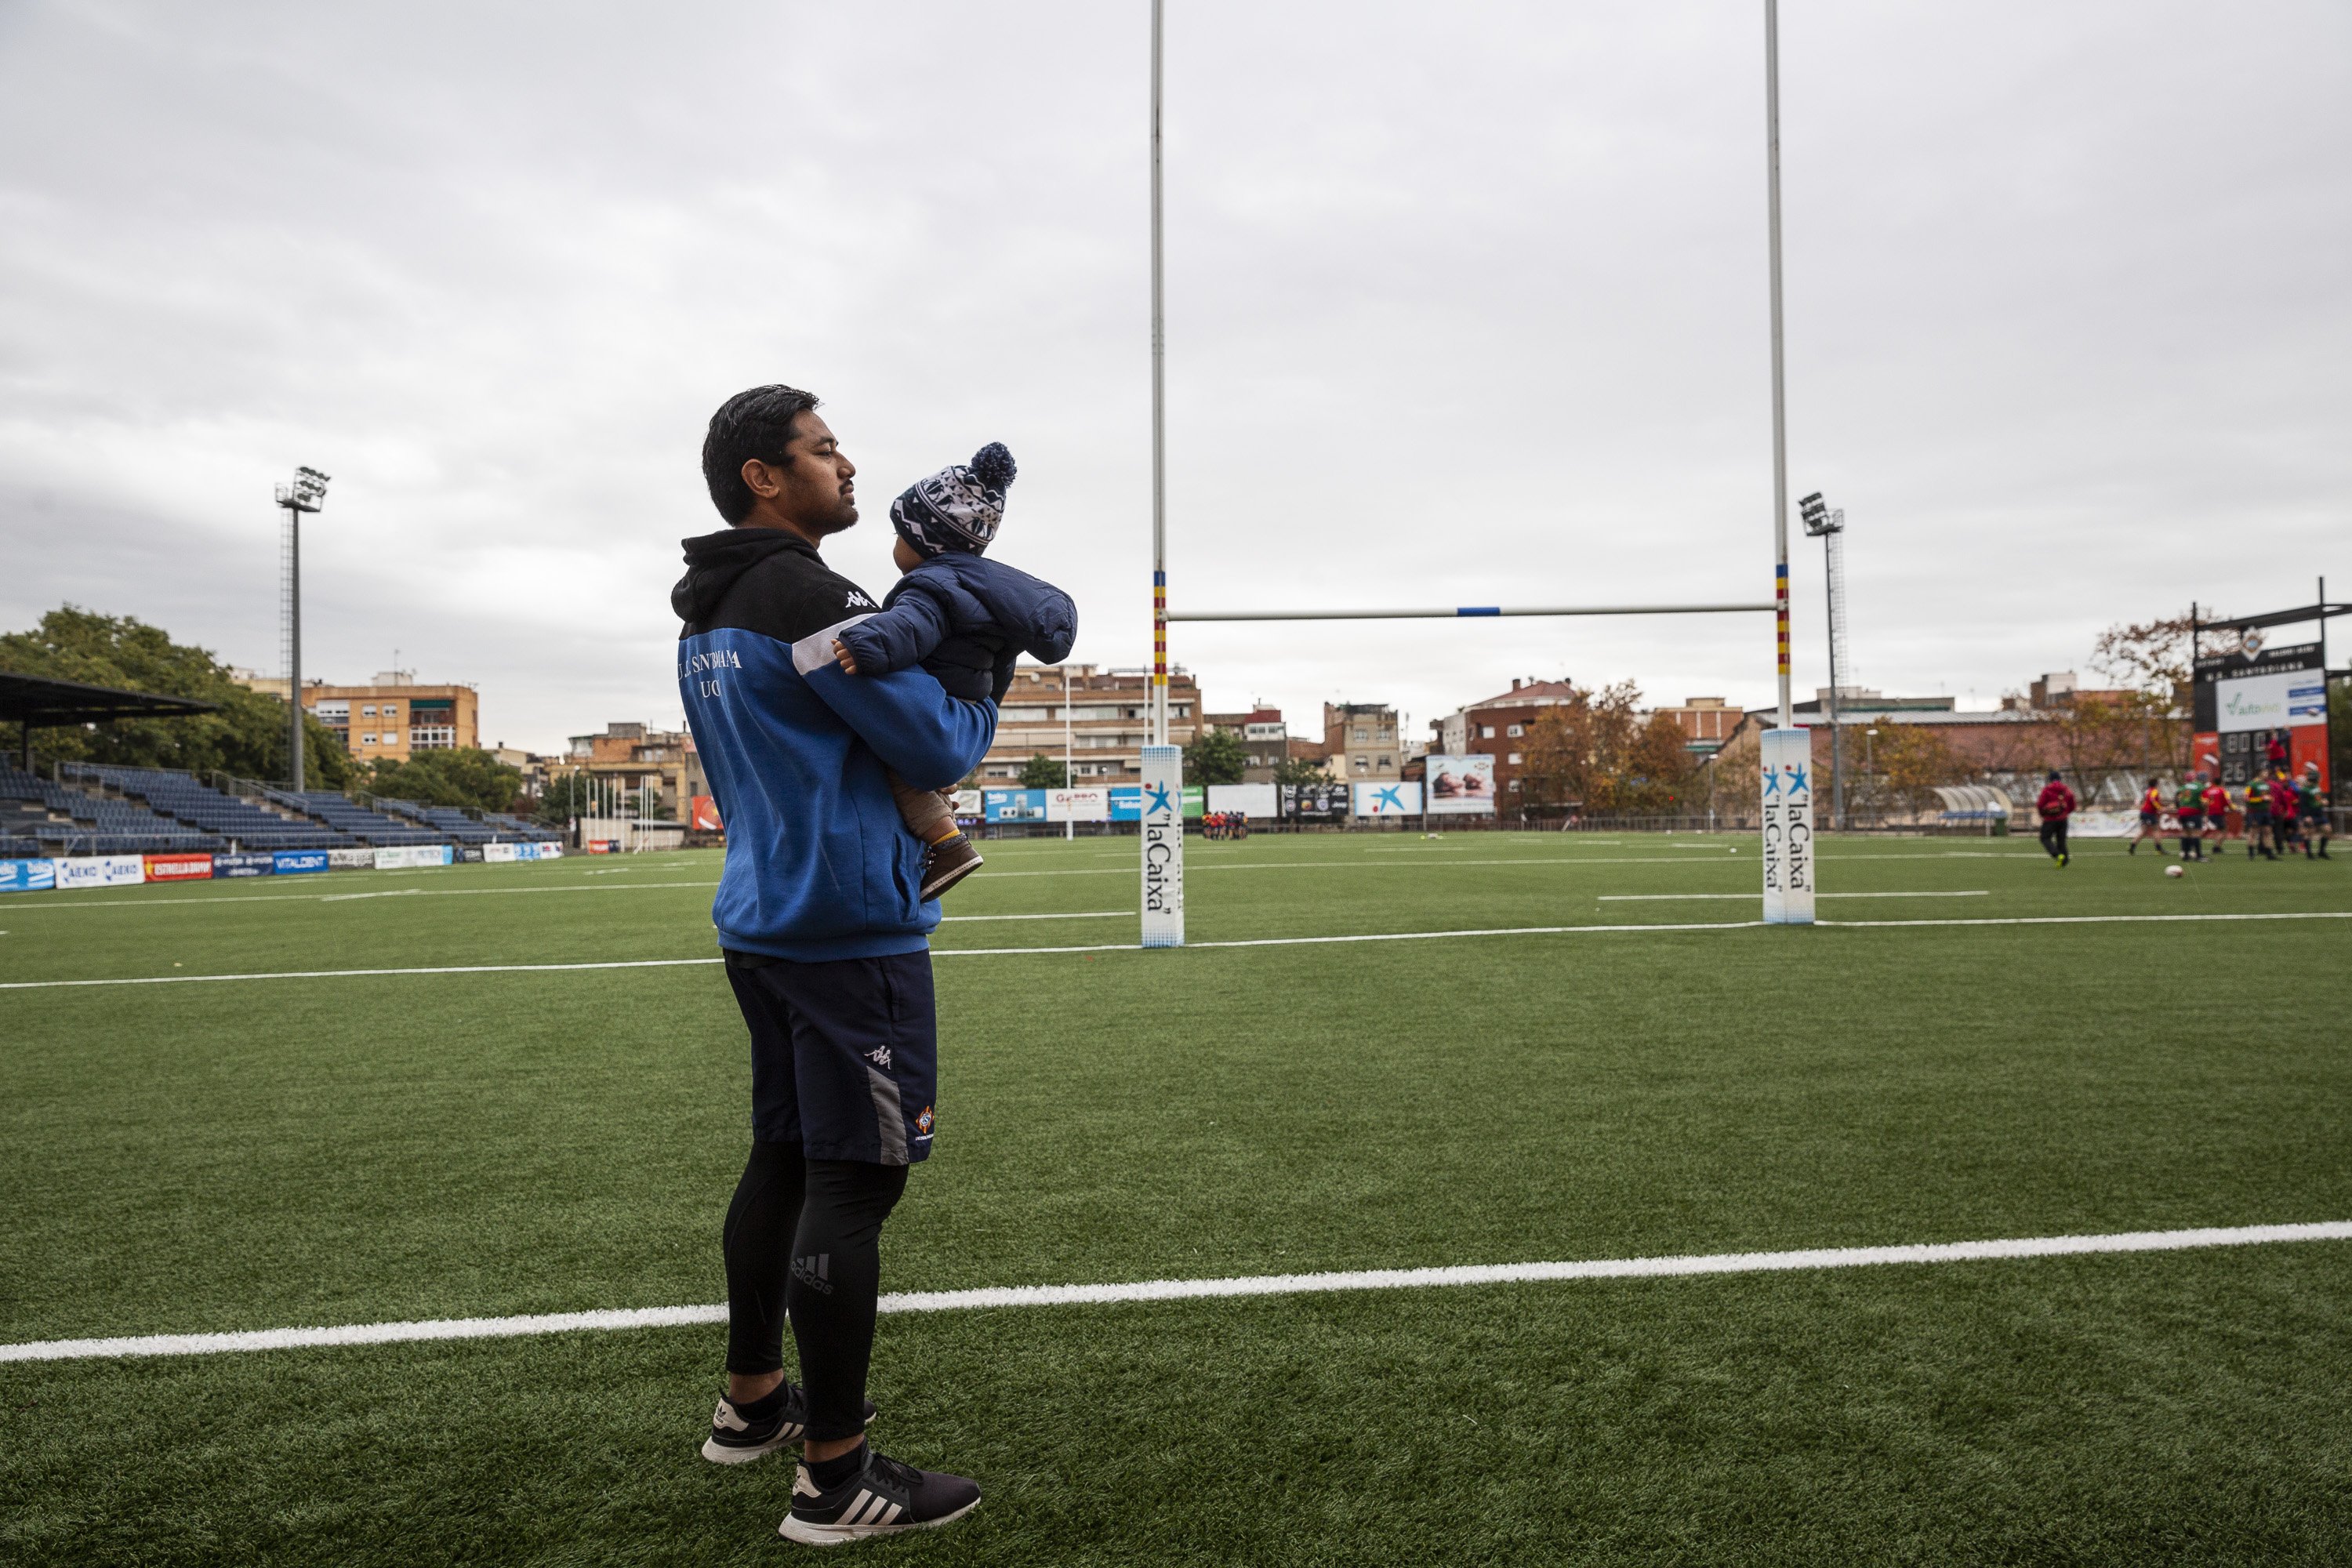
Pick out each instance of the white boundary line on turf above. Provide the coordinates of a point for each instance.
(1686, 898)
(1606, 929)
(993, 1297)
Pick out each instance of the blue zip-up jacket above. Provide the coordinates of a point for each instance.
(966, 619)
(818, 864)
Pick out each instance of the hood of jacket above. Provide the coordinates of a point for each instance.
(713, 562)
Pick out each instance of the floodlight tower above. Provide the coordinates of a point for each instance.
(308, 492)
(1827, 524)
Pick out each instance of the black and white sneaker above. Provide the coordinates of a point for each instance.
(886, 1499)
(736, 1441)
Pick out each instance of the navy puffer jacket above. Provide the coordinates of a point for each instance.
(965, 620)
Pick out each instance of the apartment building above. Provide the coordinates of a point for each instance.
(1264, 735)
(1498, 726)
(1360, 742)
(394, 717)
(629, 758)
(1107, 714)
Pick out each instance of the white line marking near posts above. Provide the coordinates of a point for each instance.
(1606, 929)
(993, 1297)
(1686, 898)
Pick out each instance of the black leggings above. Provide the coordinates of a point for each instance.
(804, 1237)
(2053, 835)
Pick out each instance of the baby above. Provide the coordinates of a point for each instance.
(962, 617)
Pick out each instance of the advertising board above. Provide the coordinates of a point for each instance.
(967, 803)
(500, 854)
(254, 863)
(1315, 803)
(1127, 803)
(301, 862)
(179, 868)
(1014, 804)
(1375, 799)
(2249, 706)
(28, 876)
(1078, 806)
(404, 857)
(100, 871)
(351, 859)
(1248, 799)
(1462, 786)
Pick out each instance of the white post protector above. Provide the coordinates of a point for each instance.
(1785, 771)
(1163, 846)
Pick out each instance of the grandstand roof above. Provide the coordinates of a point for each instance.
(37, 700)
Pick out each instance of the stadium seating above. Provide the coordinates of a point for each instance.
(57, 819)
(446, 820)
(200, 806)
(346, 816)
(516, 827)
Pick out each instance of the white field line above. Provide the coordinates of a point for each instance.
(1684, 898)
(1607, 929)
(185, 901)
(993, 1297)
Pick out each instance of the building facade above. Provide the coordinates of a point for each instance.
(636, 765)
(394, 718)
(1706, 722)
(1264, 735)
(1360, 742)
(1107, 713)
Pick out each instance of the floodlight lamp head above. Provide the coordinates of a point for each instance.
(307, 493)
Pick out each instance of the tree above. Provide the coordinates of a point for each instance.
(2152, 661)
(463, 777)
(1042, 772)
(1215, 757)
(246, 737)
(1907, 763)
(1658, 766)
(1303, 771)
(1579, 751)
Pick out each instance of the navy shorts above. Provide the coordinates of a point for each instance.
(844, 1054)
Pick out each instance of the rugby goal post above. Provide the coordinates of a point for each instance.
(1784, 755)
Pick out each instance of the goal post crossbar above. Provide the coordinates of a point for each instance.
(1461, 612)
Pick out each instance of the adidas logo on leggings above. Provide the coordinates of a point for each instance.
(816, 1272)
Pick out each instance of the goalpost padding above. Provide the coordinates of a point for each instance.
(1163, 847)
(1785, 775)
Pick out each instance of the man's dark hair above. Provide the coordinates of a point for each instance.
(753, 424)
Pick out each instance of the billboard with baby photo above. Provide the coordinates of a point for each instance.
(1459, 786)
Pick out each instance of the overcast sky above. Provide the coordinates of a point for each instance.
(1465, 305)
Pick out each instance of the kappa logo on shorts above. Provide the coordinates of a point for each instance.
(923, 1122)
(880, 1057)
(855, 599)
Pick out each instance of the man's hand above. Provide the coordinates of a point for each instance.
(843, 657)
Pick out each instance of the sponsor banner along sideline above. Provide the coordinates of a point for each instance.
(351, 859)
(28, 876)
(301, 862)
(1785, 775)
(100, 871)
(1387, 799)
(1247, 799)
(178, 867)
(403, 857)
(501, 853)
(257, 864)
(1014, 804)
(967, 803)
(1078, 806)
(1163, 846)
(1462, 786)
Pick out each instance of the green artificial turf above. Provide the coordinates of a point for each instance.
(262, 1153)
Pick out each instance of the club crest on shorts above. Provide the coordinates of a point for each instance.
(923, 1122)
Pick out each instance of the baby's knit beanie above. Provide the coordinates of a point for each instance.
(959, 508)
